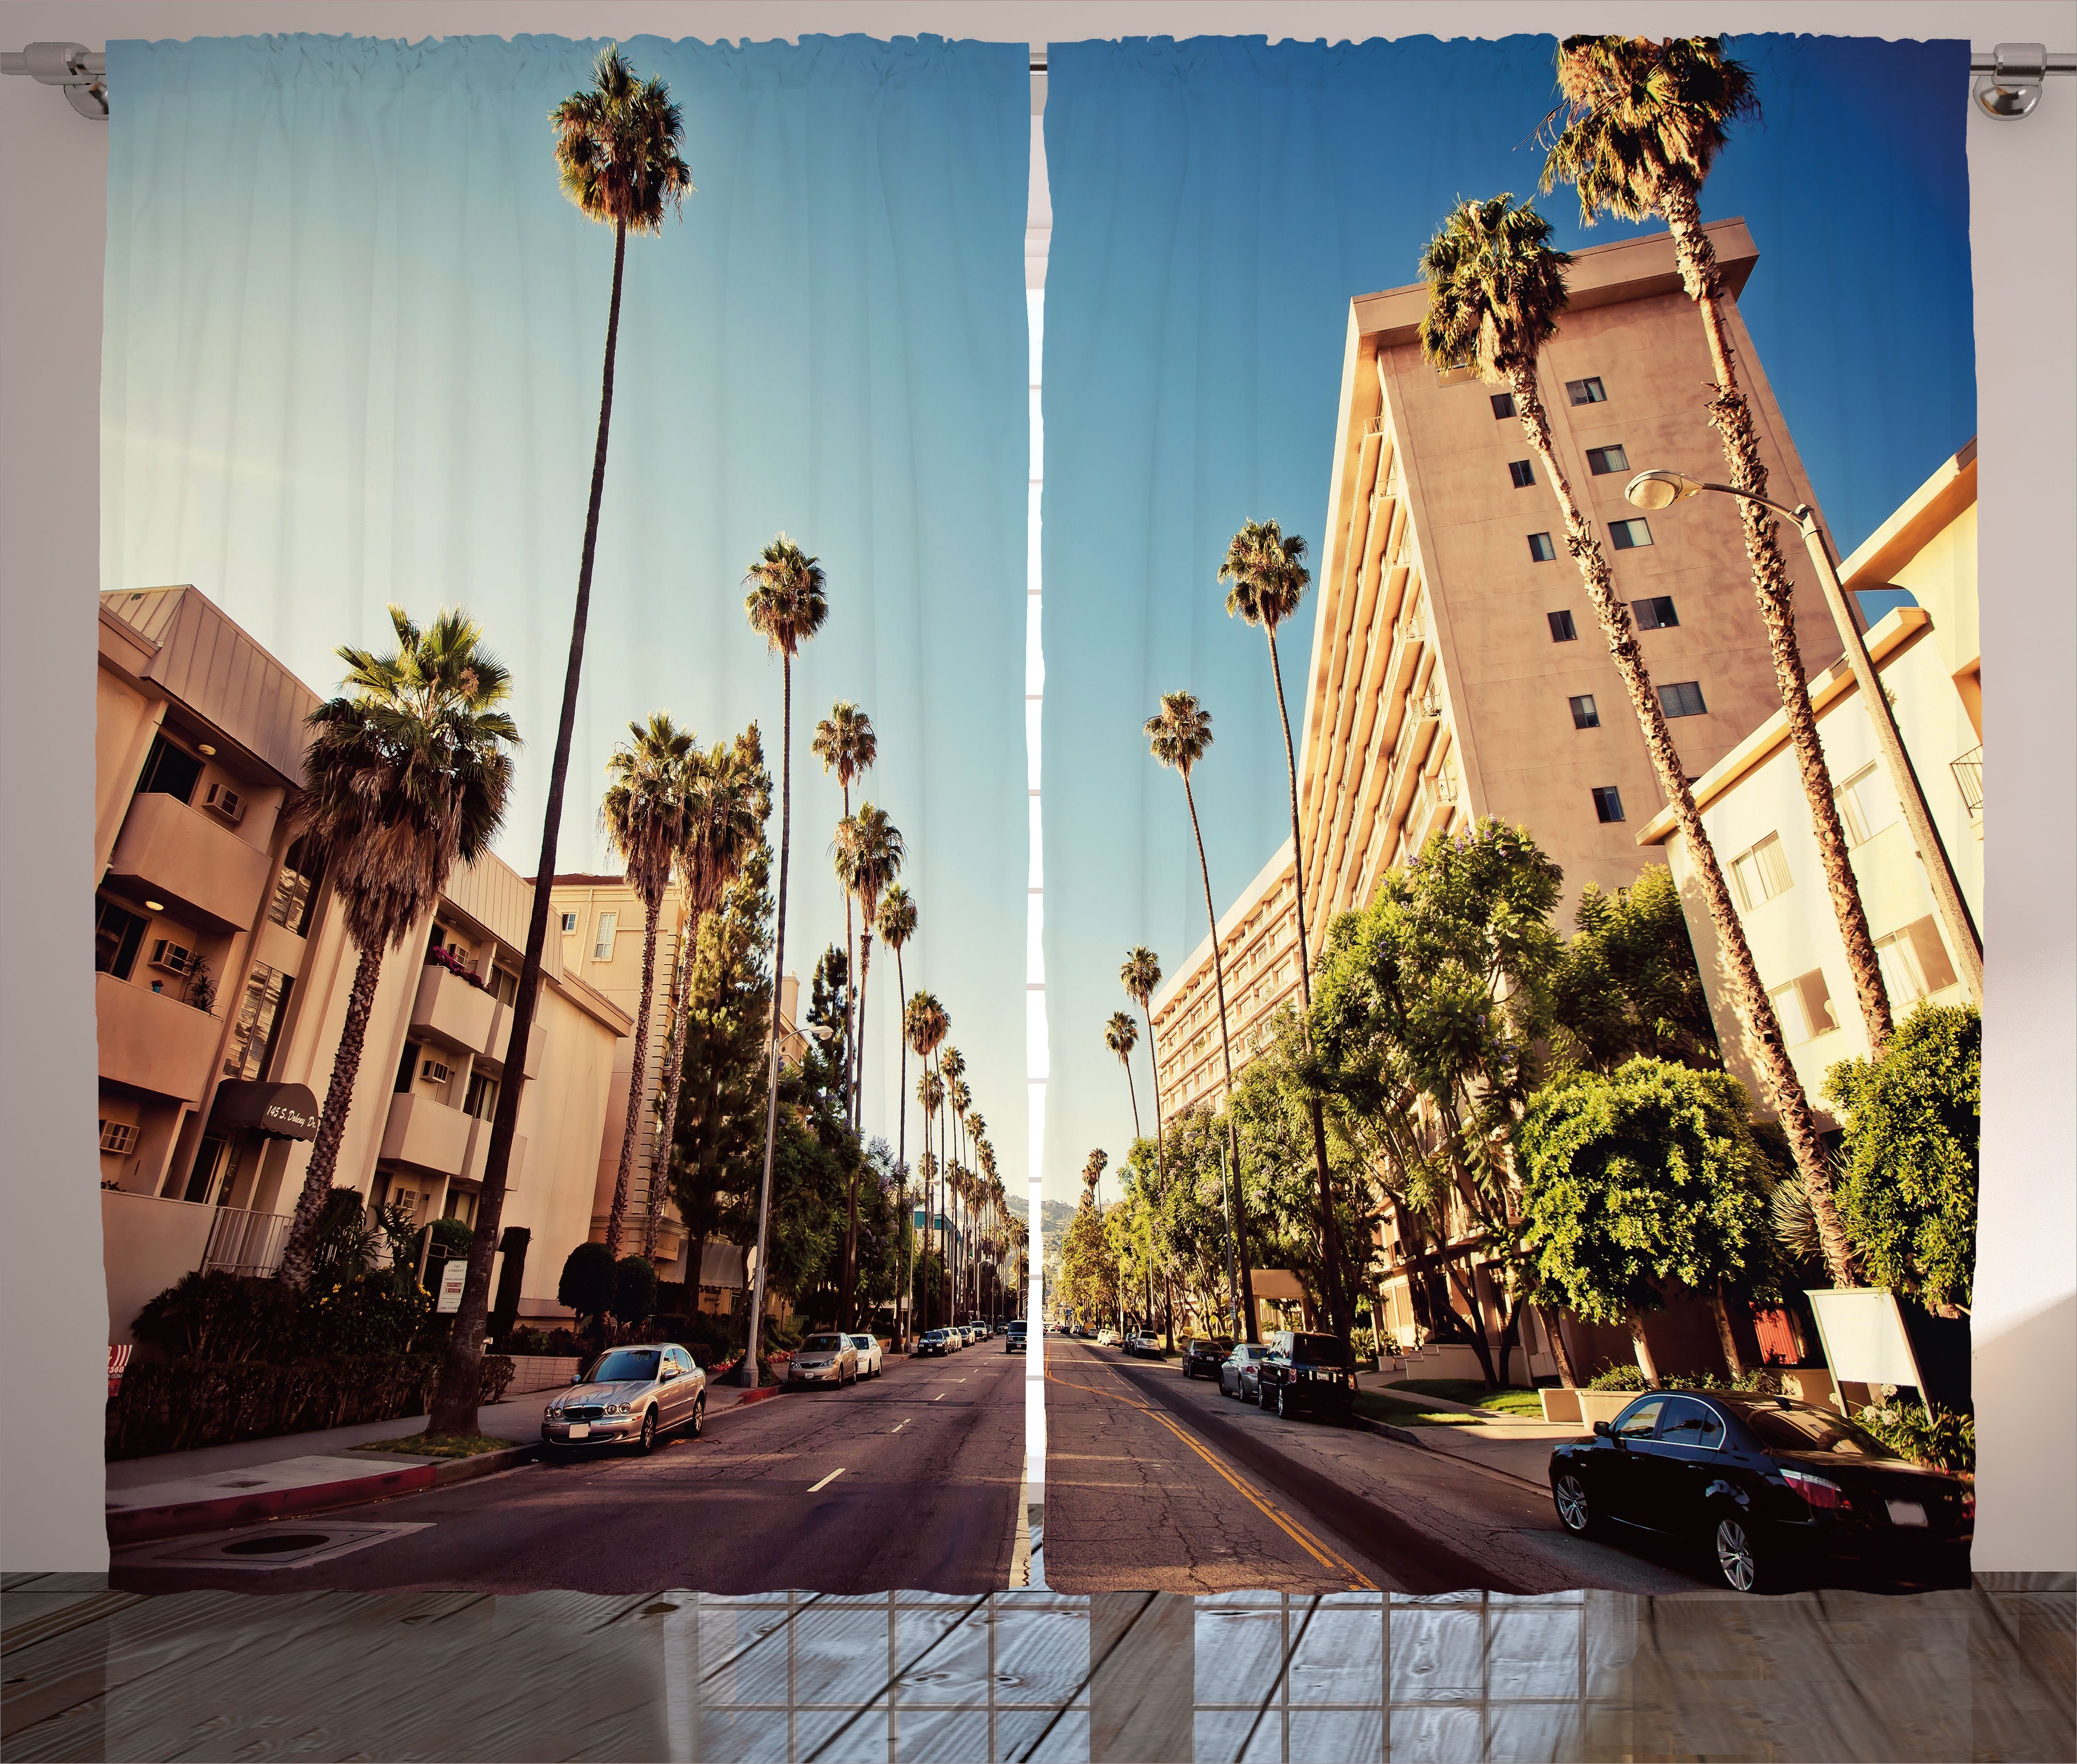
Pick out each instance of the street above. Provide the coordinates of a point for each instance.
(910, 1480)
(1156, 1482)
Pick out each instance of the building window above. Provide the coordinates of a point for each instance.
(503, 985)
(1682, 698)
(407, 1068)
(258, 1015)
(1804, 1007)
(1562, 628)
(1608, 803)
(1600, 461)
(1914, 962)
(1586, 391)
(1503, 404)
(1761, 873)
(1584, 715)
(1629, 535)
(1541, 548)
(1866, 805)
(118, 1138)
(169, 771)
(569, 924)
(295, 890)
(601, 948)
(117, 933)
(1523, 473)
(481, 1100)
(1654, 614)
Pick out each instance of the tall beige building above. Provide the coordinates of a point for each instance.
(1457, 671)
(222, 975)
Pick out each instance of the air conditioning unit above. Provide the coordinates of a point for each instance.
(226, 801)
(174, 958)
(435, 1072)
(118, 1137)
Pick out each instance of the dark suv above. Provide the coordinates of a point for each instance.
(1306, 1375)
(1203, 1358)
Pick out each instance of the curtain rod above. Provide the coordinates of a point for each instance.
(2009, 80)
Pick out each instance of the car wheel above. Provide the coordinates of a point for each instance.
(1261, 1396)
(1576, 1512)
(645, 1441)
(697, 1425)
(1283, 1402)
(1743, 1565)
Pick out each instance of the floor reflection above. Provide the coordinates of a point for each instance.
(1984, 1673)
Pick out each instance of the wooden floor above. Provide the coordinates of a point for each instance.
(93, 1674)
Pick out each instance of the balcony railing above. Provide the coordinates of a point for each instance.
(244, 1242)
(1968, 772)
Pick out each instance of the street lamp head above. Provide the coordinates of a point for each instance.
(1659, 489)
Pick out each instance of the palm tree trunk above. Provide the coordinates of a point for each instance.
(638, 1079)
(455, 1399)
(1154, 1066)
(1642, 1348)
(331, 1119)
(1754, 1009)
(1731, 416)
(858, 1053)
(778, 978)
(851, 997)
(1132, 1091)
(1337, 1283)
(680, 1014)
(1236, 1205)
(902, 1157)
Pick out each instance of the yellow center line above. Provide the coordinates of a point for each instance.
(1319, 1552)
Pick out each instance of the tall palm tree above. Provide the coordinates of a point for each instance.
(931, 1096)
(1140, 975)
(1177, 736)
(845, 743)
(406, 775)
(643, 815)
(787, 604)
(1092, 1169)
(951, 1066)
(869, 854)
(1641, 125)
(925, 1024)
(1120, 1036)
(1497, 288)
(1269, 579)
(897, 925)
(617, 145)
(728, 800)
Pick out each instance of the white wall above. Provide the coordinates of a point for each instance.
(52, 223)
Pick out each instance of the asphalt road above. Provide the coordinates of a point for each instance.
(911, 1480)
(1155, 1482)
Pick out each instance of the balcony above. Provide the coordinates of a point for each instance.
(188, 858)
(151, 1041)
(493, 1046)
(450, 1009)
(241, 1242)
(478, 1152)
(426, 1137)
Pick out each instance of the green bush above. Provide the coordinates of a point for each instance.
(1940, 1439)
(345, 1240)
(219, 1317)
(369, 1312)
(634, 1288)
(1618, 1377)
(587, 1280)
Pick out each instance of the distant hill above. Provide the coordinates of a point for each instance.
(1053, 1218)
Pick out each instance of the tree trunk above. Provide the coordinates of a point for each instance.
(901, 1160)
(1731, 416)
(1646, 1364)
(750, 1374)
(1555, 1328)
(455, 1400)
(1236, 1203)
(851, 997)
(847, 1297)
(1720, 1309)
(638, 1078)
(1748, 994)
(1475, 1325)
(680, 1013)
(295, 1269)
(1132, 1091)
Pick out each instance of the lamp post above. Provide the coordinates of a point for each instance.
(1661, 490)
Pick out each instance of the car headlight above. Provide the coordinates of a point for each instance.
(620, 1408)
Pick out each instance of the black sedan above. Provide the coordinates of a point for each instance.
(1202, 1357)
(1305, 1375)
(1775, 1489)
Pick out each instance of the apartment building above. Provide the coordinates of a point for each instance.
(1752, 801)
(223, 970)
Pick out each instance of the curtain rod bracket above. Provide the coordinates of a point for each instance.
(2009, 78)
(83, 74)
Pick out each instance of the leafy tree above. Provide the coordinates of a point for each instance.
(869, 851)
(1910, 1153)
(1636, 1180)
(589, 1280)
(1627, 984)
(634, 1288)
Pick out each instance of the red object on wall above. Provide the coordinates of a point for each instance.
(1779, 1345)
(118, 1358)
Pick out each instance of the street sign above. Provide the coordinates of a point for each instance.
(453, 1275)
(1864, 1337)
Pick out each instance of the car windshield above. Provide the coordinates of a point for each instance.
(861, 1340)
(822, 1344)
(1250, 1353)
(1813, 1430)
(626, 1366)
(1316, 1350)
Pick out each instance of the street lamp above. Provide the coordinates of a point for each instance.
(1661, 490)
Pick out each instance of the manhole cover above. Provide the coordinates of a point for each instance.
(278, 1543)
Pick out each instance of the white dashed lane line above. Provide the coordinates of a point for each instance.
(826, 1482)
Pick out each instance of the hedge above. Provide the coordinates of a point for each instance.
(176, 1405)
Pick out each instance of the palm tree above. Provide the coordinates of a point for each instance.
(845, 743)
(1178, 735)
(616, 146)
(787, 603)
(1269, 579)
(405, 776)
(1140, 975)
(925, 1024)
(930, 1095)
(869, 851)
(1641, 125)
(897, 925)
(643, 814)
(1497, 288)
(1120, 1036)
(1092, 1169)
(728, 799)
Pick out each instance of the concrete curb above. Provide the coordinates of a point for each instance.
(149, 1525)
(1408, 1436)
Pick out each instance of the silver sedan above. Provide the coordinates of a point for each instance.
(824, 1359)
(630, 1396)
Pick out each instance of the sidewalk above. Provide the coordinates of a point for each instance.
(218, 1486)
(1517, 1449)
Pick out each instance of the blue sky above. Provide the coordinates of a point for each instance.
(1216, 204)
(352, 351)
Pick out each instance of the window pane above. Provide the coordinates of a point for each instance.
(253, 1033)
(1682, 698)
(1522, 471)
(1608, 803)
(1901, 978)
(117, 933)
(169, 771)
(1562, 630)
(1603, 460)
(1815, 996)
(1745, 882)
(1773, 866)
(1924, 936)
(1585, 391)
(1503, 404)
(1789, 1007)
(1584, 715)
(601, 950)
(1541, 548)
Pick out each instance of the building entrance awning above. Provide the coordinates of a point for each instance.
(284, 1111)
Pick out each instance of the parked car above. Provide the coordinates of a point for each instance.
(1012, 1338)
(870, 1355)
(1237, 1372)
(1201, 1357)
(824, 1359)
(1306, 1375)
(630, 1396)
(1148, 1346)
(1773, 1488)
(1106, 1337)
(937, 1342)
